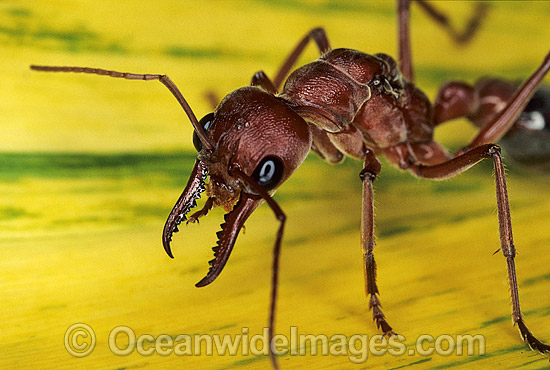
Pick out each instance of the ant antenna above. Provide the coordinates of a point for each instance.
(165, 80)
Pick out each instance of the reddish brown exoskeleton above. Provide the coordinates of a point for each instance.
(346, 103)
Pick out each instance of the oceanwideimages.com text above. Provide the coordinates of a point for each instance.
(80, 340)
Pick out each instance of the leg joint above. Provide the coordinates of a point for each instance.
(367, 175)
(493, 150)
(371, 168)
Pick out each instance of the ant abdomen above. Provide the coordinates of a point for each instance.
(528, 142)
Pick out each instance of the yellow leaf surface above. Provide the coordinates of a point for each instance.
(91, 166)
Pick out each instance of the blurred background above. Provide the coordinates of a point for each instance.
(91, 166)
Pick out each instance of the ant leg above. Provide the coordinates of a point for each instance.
(202, 212)
(261, 79)
(404, 44)
(370, 170)
(460, 164)
(281, 217)
(495, 130)
(319, 37)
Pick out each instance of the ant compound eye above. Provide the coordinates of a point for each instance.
(269, 172)
(206, 123)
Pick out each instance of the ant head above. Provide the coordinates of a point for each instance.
(255, 133)
(248, 147)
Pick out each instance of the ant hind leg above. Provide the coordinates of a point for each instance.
(460, 164)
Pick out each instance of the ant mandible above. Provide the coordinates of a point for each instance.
(346, 103)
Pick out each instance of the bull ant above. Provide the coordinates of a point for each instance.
(346, 103)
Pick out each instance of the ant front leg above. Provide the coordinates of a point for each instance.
(281, 217)
(202, 212)
(370, 170)
(460, 164)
